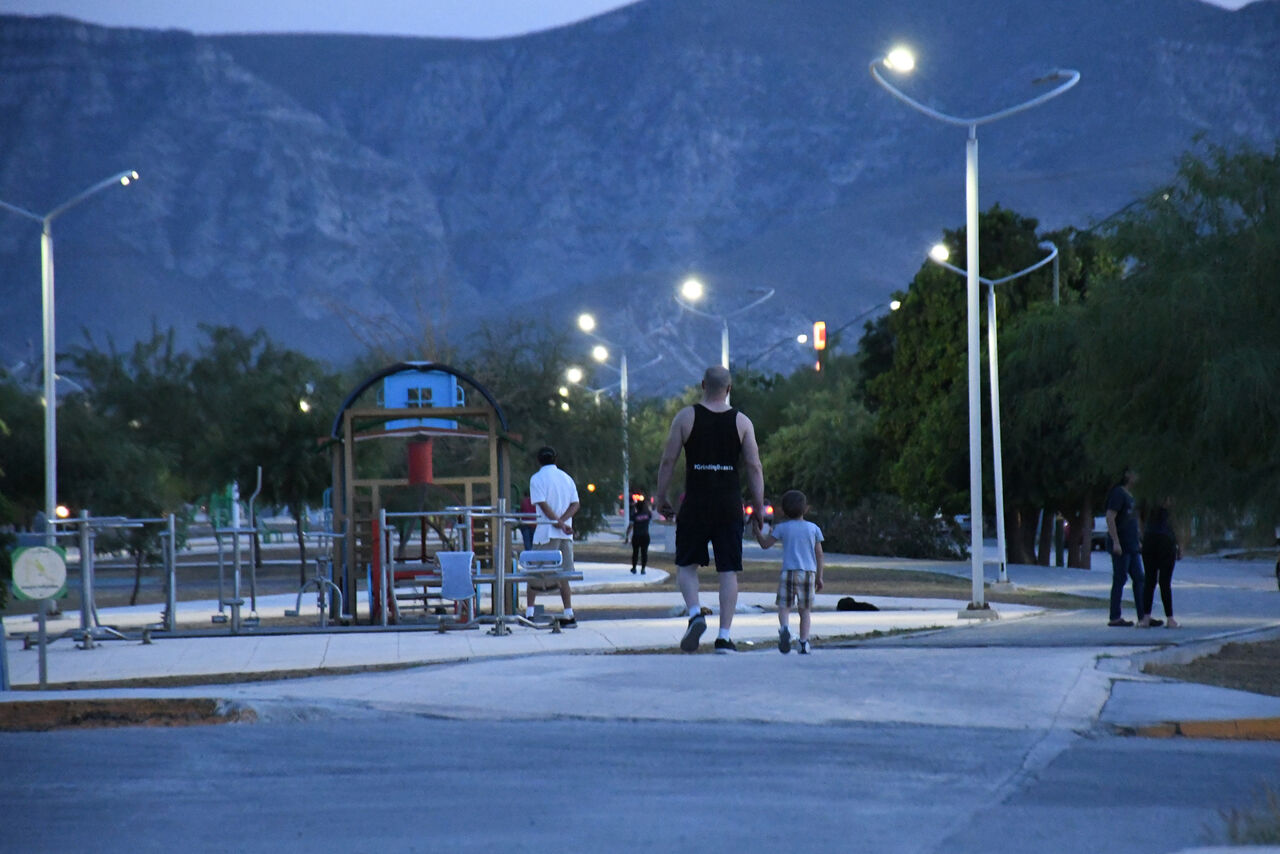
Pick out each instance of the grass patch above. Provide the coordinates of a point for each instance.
(1243, 666)
(761, 576)
(1256, 824)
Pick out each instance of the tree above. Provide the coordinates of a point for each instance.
(916, 357)
(265, 407)
(523, 366)
(921, 398)
(1179, 356)
(825, 450)
(21, 455)
(113, 473)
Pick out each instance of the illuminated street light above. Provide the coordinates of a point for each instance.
(993, 368)
(587, 323)
(123, 179)
(901, 61)
(692, 291)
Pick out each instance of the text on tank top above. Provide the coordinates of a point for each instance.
(711, 454)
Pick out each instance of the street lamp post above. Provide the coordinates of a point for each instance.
(50, 344)
(692, 291)
(900, 60)
(587, 323)
(939, 256)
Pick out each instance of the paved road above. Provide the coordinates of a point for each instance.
(391, 781)
(933, 744)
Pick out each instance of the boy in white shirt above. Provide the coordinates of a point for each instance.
(801, 566)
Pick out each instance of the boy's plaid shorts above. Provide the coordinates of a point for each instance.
(796, 586)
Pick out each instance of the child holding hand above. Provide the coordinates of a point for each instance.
(801, 566)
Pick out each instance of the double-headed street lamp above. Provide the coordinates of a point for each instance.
(692, 291)
(50, 344)
(901, 61)
(600, 352)
(938, 255)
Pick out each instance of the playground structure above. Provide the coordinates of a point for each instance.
(460, 507)
(444, 501)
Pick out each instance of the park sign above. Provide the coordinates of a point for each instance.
(39, 572)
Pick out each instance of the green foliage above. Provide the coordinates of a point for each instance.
(523, 367)
(825, 448)
(1179, 357)
(886, 525)
(7, 543)
(21, 455)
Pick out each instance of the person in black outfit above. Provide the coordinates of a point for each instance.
(638, 532)
(716, 439)
(1160, 551)
(1126, 551)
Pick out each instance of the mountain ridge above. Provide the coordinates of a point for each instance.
(373, 182)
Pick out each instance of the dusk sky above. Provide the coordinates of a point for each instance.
(461, 18)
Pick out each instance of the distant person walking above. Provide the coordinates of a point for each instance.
(1126, 551)
(718, 442)
(555, 495)
(527, 528)
(801, 567)
(1160, 551)
(638, 532)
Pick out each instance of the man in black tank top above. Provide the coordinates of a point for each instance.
(719, 443)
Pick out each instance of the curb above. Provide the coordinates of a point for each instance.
(45, 715)
(1244, 729)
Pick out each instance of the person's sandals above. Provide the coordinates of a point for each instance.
(1120, 622)
(697, 625)
(1153, 623)
(784, 640)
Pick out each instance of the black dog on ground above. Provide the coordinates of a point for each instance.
(848, 603)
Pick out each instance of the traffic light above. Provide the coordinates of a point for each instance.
(820, 343)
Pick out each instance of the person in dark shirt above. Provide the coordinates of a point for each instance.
(1160, 551)
(717, 441)
(1125, 546)
(638, 532)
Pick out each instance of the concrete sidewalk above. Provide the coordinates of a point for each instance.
(1054, 669)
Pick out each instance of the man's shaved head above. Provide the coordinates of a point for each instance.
(716, 380)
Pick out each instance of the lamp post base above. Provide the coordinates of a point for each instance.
(978, 612)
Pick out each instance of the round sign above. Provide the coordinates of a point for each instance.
(39, 572)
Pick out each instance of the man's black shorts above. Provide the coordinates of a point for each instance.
(722, 530)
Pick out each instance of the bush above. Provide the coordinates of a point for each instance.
(885, 525)
(1258, 824)
(7, 542)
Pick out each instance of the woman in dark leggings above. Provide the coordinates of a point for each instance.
(638, 530)
(1160, 551)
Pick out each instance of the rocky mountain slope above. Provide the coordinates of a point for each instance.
(345, 191)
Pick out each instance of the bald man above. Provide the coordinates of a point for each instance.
(719, 442)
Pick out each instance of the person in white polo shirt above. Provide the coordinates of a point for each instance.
(555, 495)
